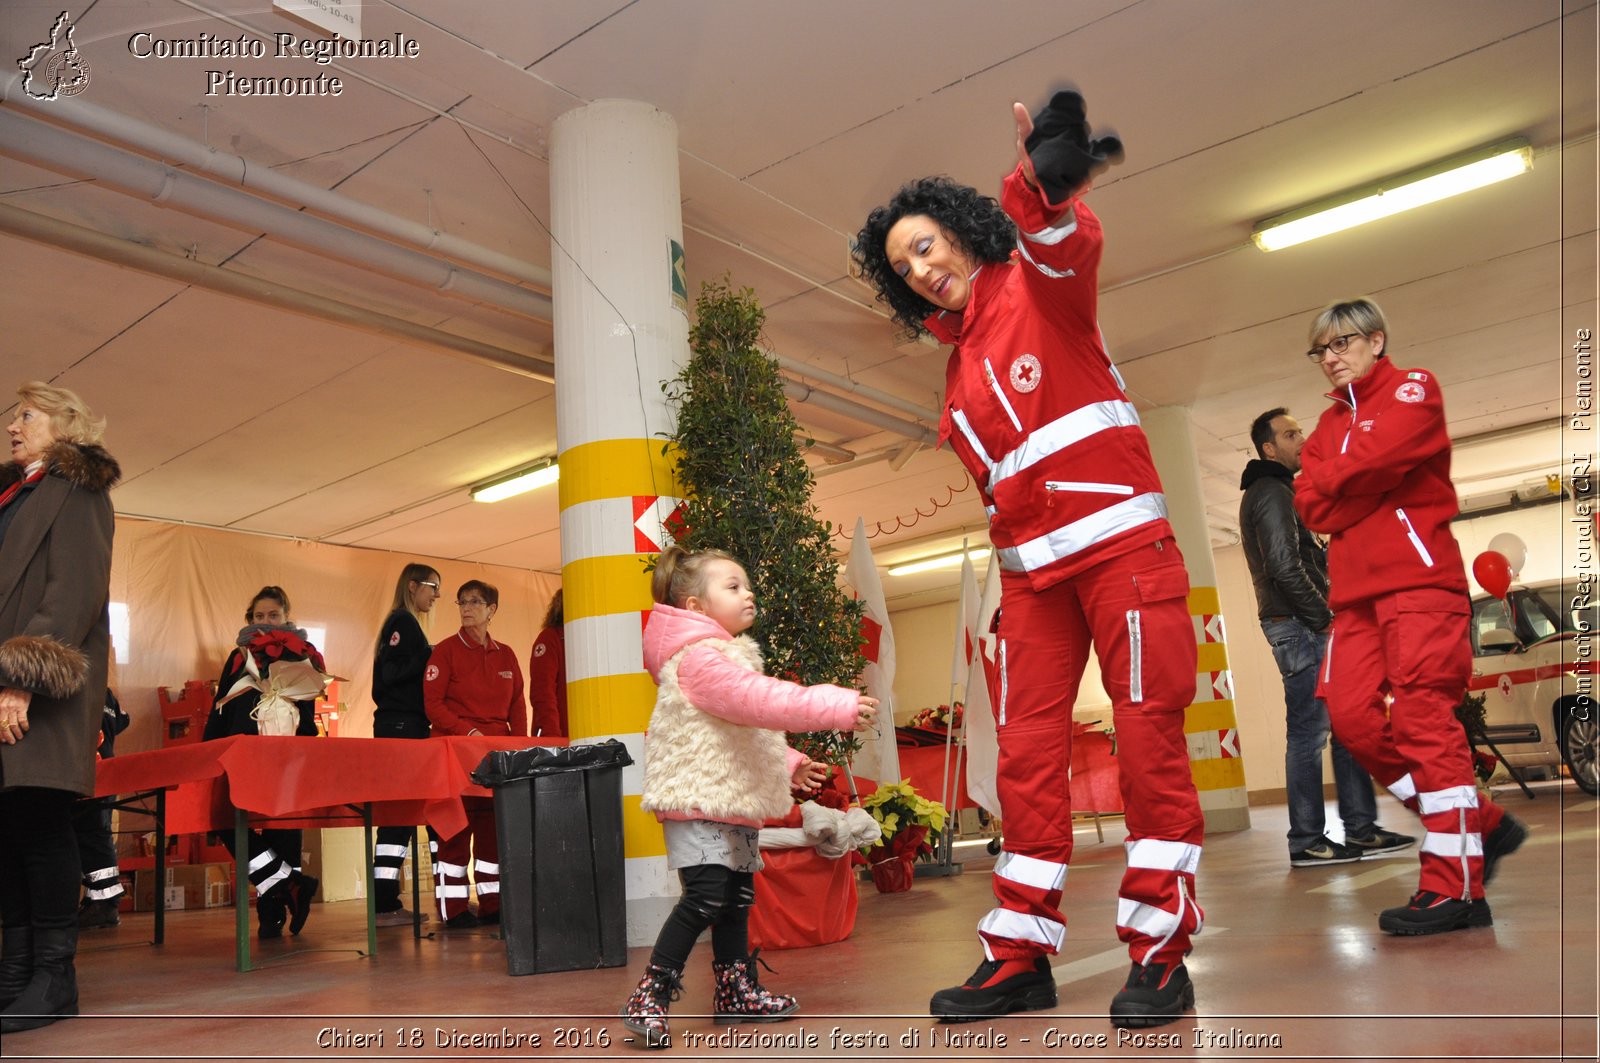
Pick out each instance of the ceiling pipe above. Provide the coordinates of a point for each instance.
(236, 170)
(42, 144)
(75, 238)
(805, 393)
(802, 370)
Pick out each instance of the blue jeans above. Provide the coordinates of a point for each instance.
(1298, 651)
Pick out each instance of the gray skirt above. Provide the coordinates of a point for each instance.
(697, 842)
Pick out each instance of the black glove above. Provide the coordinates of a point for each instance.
(1063, 155)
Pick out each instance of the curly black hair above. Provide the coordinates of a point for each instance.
(974, 221)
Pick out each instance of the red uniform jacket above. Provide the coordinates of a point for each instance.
(1034, 408)
(1375, 475)
(547, 683)
(467, 686)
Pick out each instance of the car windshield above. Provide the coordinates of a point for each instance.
(1573, 604)
(1524, 617)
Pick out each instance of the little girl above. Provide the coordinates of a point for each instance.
(715, 767)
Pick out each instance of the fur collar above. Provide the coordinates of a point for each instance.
(83, 465)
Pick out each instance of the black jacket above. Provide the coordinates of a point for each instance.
(398, 664)
(1288, 567)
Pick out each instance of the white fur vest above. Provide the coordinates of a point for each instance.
(702, 766)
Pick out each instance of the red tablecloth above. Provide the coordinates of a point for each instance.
(1096, 785)
(304, 781)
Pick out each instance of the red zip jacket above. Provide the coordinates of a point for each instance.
(468, 686)
(1034, 408)
(547, 683)
(1375, 474)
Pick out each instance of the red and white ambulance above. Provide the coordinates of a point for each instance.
(1534, 655)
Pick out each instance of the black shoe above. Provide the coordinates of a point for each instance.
(1153, 995)
(1504, 840)
(1434, 913)
(1378, 842)
(462, 921)
(93, 915)
(272, 908)
(985, 995)
(1323, 851)
(302, 888)
(488, 919)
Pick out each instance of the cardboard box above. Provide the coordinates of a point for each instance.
(185, 886)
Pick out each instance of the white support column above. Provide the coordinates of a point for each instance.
(621, 328)
(1211, 726)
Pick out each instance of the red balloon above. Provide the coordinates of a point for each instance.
(1493, 572)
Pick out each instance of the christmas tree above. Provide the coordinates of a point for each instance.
(749, 493)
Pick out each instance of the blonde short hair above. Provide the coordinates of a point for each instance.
(71, 421)
(1348, 315)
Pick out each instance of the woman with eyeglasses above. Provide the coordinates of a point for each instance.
(1375, 477)
(472, 686)
(398, 662)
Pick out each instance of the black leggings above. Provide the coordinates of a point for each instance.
(39, 868)
(713, 896)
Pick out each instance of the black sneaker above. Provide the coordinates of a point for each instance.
(462, 921)
(986, 995)
(1504, 840)
(1323, 851)
(488, 918)
(1378, 842)
(1154, 995)
(1434, 913)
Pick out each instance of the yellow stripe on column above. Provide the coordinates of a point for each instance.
(1220, 774)
(617, 468)
(641, 832)
(613, 704)
(1211, 657)
(600, 586)
(1209, 716)
(1203, 601)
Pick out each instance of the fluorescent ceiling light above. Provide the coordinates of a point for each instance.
(1440, 181)
(928, 564)
(528, 478)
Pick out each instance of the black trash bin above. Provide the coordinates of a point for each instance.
(558, 818)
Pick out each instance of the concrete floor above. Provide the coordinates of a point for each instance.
(1291, 965)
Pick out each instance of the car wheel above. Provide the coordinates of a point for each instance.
(1578, 739)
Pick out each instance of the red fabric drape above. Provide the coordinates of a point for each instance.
(802, 899)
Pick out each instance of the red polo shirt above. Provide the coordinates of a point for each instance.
(467, 686)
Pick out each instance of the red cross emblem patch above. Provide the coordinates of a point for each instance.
(1410, 391)
(1025, 372)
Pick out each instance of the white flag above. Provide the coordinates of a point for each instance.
(878, 759)
(983, 748)
(966, 623)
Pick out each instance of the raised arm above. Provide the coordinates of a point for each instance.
(716, 685)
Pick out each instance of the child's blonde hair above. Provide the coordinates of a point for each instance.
(680, 575)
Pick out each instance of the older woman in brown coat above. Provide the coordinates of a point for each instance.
(55, 573)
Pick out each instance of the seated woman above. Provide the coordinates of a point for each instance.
(268, 637)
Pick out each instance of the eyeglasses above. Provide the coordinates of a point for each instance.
(428, 583)
(473, 602)
(1337, 345)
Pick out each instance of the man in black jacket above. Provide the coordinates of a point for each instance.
(1290, 570)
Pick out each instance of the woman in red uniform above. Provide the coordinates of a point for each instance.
(1375, 477)
(547, 675)
(1037, 413)
(472, 686)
